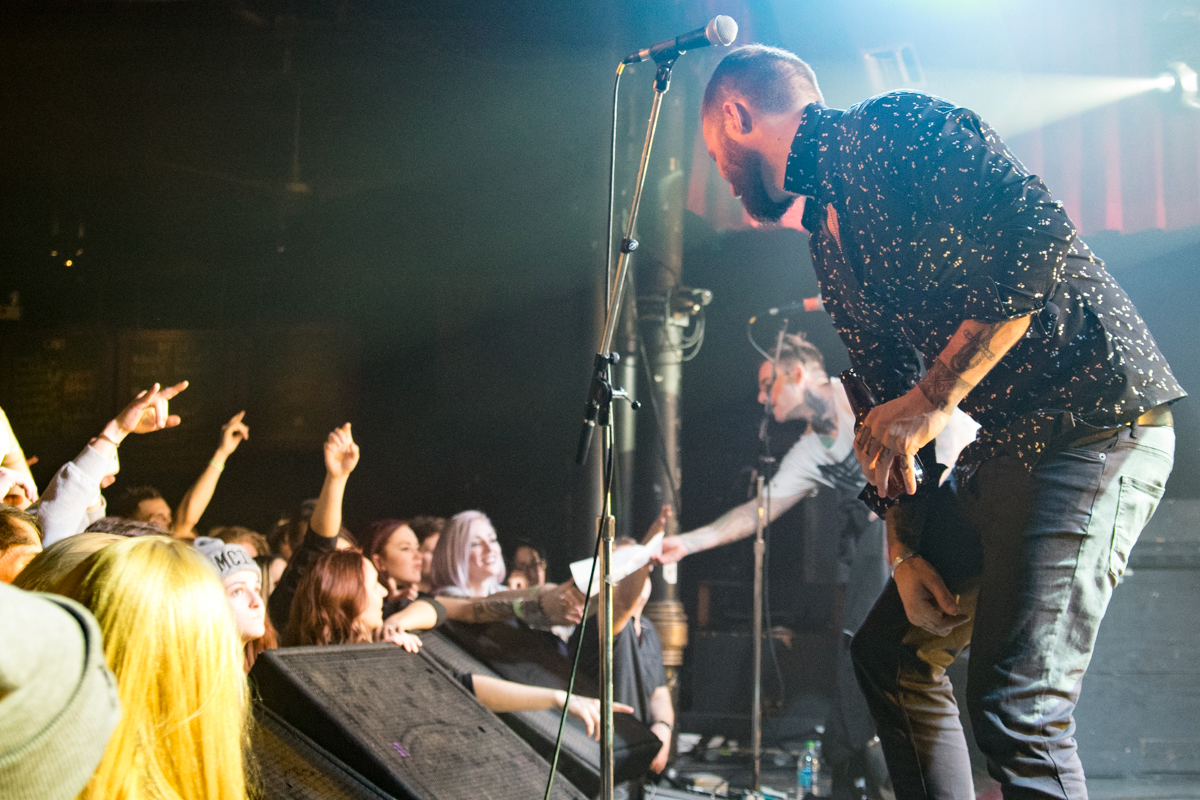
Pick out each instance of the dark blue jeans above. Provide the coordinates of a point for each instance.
(1054, 542)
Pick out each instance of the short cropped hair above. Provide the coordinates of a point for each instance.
(127, 502)
(124, 527)
(773, 80)
(18, 528)
(795, 347)
(425, 526)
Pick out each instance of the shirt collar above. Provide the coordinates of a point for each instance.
(800, 174)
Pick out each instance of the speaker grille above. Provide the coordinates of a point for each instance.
(402, 722)
(292, 767)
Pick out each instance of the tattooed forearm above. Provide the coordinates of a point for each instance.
(975, 350)
(485, 609)
(942, 386)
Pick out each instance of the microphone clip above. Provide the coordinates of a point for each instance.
(666, 62)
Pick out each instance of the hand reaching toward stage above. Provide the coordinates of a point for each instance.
(587, 710)
(233, 433)
(927, 602)
(341, 457)
(195, 502)
(562, 604)
(146, 413)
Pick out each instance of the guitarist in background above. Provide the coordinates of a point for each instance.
(793, 385)
(956, 280)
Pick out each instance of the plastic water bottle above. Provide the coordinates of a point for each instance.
(808, 770)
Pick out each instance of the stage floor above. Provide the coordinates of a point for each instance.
(733, 769)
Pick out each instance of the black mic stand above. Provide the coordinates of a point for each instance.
(766, 462)
(599, 412)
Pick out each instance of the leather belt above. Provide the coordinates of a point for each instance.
(1157, 417)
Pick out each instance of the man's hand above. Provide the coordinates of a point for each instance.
(663, 733)
(893, 431)
(147, 412)
(341, 453)
(927, 602)
(562, 604)
(16, 482)
(673, 550)
(233, 433)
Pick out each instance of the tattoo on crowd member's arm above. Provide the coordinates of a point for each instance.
(489, 609)
(941, 385)
(503, 609)
(976, 349)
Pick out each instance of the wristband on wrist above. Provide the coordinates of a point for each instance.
(108, 439)
(898, 560)
(670, 727)
(217, 465)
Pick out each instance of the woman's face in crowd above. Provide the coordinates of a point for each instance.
(427, 548)
(484, 560)
(244, 591)
(400, 559)
(527, 562)
(371, 618)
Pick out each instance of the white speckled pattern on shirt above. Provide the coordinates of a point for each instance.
(939, 223)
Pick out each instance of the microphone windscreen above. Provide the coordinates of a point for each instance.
(721, 30)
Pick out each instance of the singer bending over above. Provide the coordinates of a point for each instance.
(956, 280)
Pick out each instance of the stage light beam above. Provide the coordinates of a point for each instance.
(1013, 103)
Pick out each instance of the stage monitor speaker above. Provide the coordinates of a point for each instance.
(291, 766)
(634, 744)
(402, 722)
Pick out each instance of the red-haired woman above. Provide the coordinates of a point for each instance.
(340, 601)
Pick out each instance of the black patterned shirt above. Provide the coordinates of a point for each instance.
(937, 222)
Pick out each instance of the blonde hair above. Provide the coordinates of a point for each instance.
(49, 567)
(171, 641)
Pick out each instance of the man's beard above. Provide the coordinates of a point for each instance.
(744, 168)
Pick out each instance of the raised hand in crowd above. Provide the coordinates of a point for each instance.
(72, 500)
(194, 503)
(341, 457)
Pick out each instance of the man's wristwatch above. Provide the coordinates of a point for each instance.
(898, 560)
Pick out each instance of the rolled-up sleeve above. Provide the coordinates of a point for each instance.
(63, 507)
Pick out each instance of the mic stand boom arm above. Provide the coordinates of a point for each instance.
(598, 410)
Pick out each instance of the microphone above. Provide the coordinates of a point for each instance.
(721, 30)
(807, 304)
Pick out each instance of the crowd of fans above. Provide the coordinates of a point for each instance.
(125, 637)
